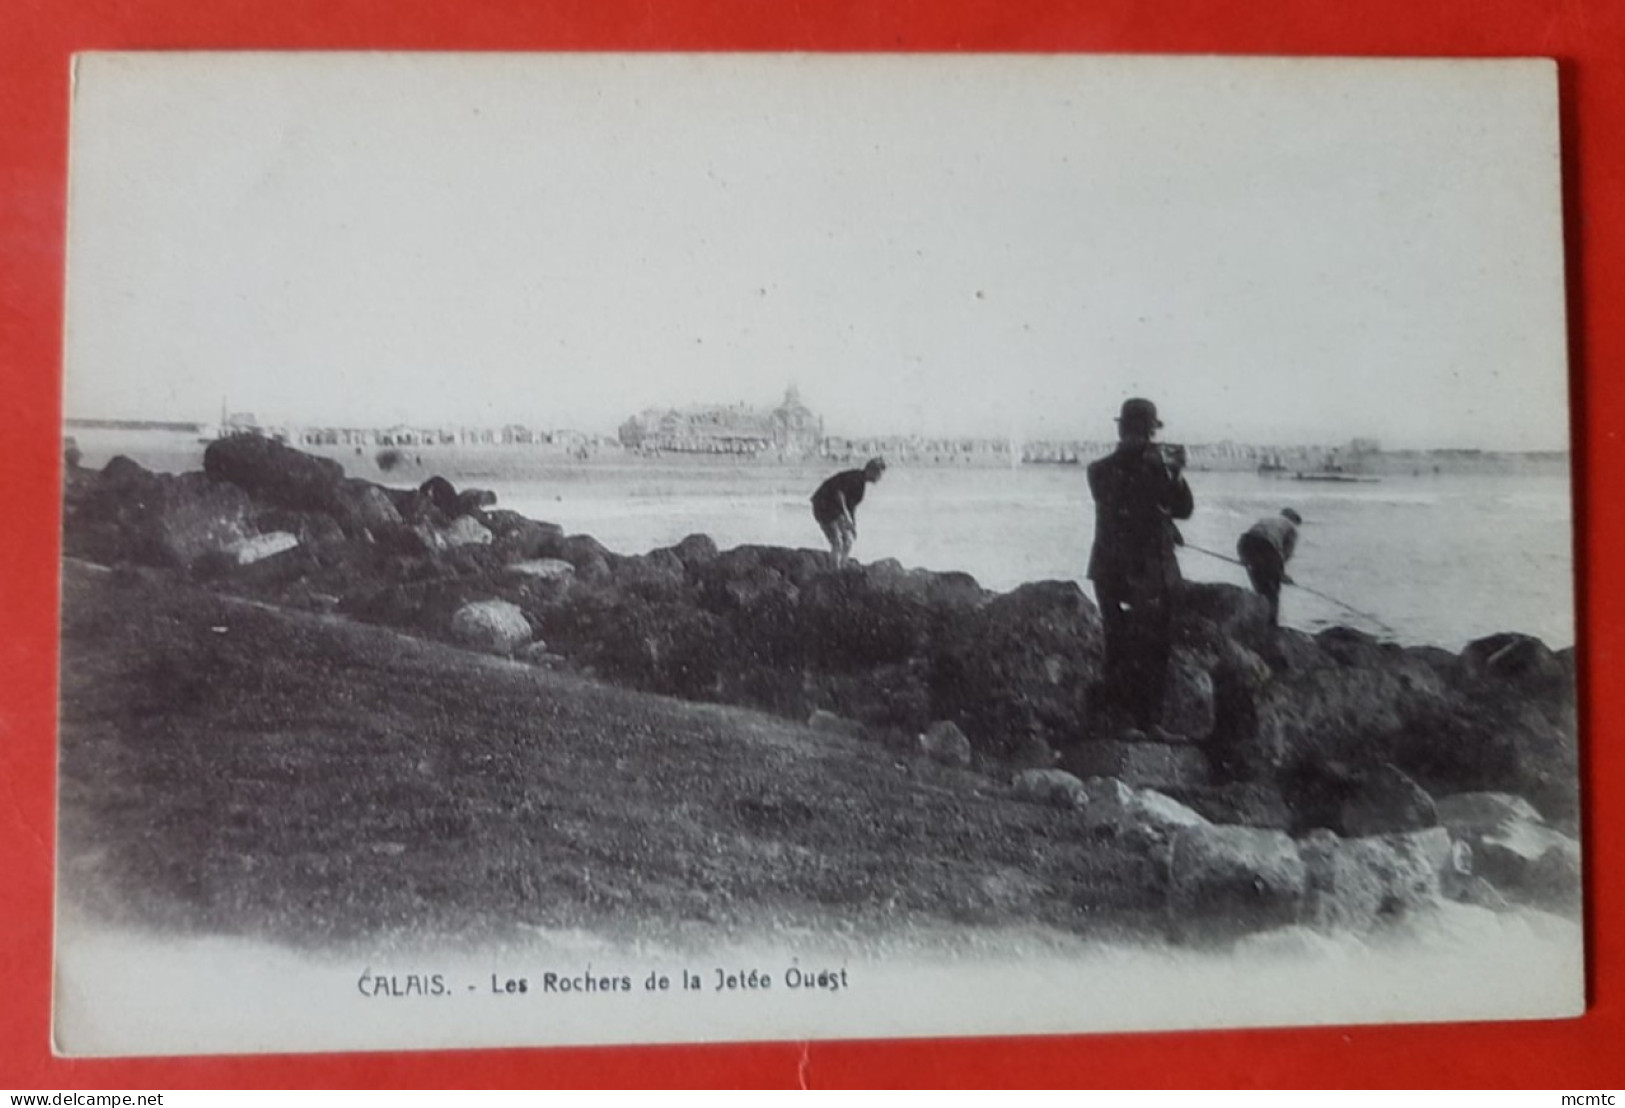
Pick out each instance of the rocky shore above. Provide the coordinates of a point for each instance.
(1329, 782)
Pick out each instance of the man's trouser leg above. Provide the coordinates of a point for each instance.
(1152, 623)
(1265, 570)
(1138, 626)
(1110, 692)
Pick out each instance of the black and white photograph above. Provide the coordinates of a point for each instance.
(648, 548)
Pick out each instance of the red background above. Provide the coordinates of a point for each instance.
(37, 40)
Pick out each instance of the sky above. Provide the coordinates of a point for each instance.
(1275, 251)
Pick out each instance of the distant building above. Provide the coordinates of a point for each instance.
(789, 430)
(796, 430)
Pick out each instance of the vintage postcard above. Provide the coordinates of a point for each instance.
(648, 548)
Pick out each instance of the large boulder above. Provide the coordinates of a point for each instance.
(519, 539)
(471, 501)
(1357, 884)
(1188, 698)
(491, 625)
(132, 514)
(1015, 666)
(590, 557)
(1342, 710)
(1226, 881)
(1384, 800)
(846, 624)
(442, 495)
(939, 590)
(1208, 614)
(658, 575)
(1514, 658)
(696, 551)
(362, 507)
(275, 473)
(1530, 862)
(671, 648)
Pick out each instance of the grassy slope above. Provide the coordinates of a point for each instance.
(232, 769)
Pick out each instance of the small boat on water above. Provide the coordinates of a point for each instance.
(1339, 478)
(1332, 469)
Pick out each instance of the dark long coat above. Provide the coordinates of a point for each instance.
(1137, 498)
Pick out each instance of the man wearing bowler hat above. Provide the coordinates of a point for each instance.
(1139, 491)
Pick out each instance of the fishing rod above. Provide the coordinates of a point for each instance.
(1387, 630)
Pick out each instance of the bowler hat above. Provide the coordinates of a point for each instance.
(1140, 412)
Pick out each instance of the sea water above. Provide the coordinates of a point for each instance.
(1427, 558)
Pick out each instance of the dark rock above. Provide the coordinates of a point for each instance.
(587, 554)
(519, 539)
(848, 626)
(945, 590)
(1341, 712)
(442, 494)
(1176, 765)
(890, 697)
(470, 501)
(1015, 667)
(1349, 647)
(1188, 706)
(122, 475)
(696, 551)
(276, 474)
(1255, 804)
(669, 648)
(658, 575)
(1384, 801)
(362, 507)
(1209, 613)
(1511, 657)
(130, 513)
(411, 540)
(755, 589)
